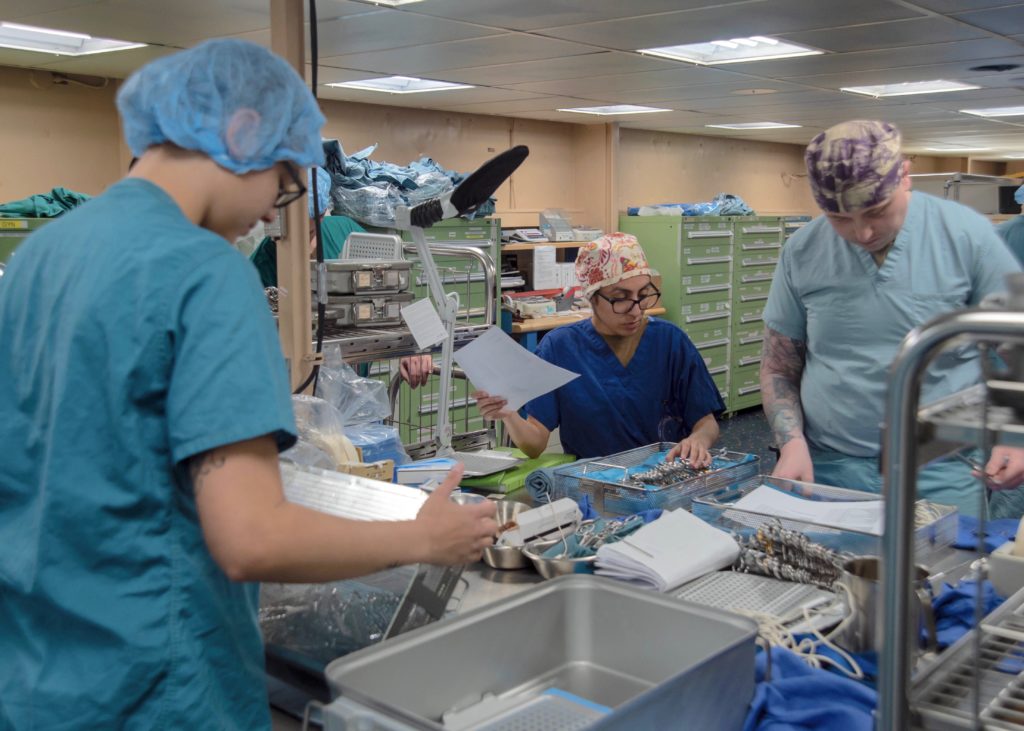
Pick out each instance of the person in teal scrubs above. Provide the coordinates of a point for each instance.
(849, 286)
(333, 230)
(1012, 231)
(143, 402)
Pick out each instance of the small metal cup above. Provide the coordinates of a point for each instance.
(864, 630)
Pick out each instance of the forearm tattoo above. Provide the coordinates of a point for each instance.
(200, 467)
(782, 367)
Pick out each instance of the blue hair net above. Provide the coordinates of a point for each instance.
(1019, 195)
(232, 100)
(323, 190)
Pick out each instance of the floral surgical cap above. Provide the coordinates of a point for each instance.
(854, 165)
(608, 260)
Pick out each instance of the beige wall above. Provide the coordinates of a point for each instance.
(53, 135)
(659, 167)
(68, 135)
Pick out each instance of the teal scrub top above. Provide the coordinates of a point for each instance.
(1012, 232)
(132, 340)
(853, 314)
(333, 229)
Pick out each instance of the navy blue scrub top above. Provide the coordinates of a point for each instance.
(659, 397)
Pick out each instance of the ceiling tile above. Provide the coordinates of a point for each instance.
(957, 71)
(429, 100)
(119, 65)
(758, 17)
(952, 6)
(533, 104)
(600, 63)
(919, 56)
(535, 14)
(895, 34)
(672, 78)
(386, 29)
(1007, 20)
(19, 9)
(432, 58)
(148, 21)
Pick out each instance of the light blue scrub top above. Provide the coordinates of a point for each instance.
(659, 397)
(1012, 232)
(853, 315)
(132, 340)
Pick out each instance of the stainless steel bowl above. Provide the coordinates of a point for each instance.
(506, 557)
(466, 498)
(550, 568)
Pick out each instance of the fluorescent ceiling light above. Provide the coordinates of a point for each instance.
(614, 109)
(399, 85)
(909, 87)
(995, 112)
(732, 50)
(390, 3)
(58, 42)
(958, 149)
(1014, 156)
(753, 125)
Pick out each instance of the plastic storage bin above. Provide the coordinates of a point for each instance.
(604, 481)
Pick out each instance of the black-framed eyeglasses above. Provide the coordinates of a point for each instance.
(290, 195)
(625, 305)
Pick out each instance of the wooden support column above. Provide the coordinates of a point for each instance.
(611, 157)
(294, 314)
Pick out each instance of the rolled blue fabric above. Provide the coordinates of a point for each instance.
(539, 483)
(232, 100)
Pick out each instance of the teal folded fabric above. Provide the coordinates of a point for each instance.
(44, 205)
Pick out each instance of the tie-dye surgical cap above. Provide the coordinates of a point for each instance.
(854, 165)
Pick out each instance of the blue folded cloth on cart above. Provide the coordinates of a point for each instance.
(800, 697)
(954, 609)
(997, 532)
(539, 484)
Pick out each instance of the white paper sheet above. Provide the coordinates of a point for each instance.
(865, 516)
(497, 364)
(676, 548)
(424, 323)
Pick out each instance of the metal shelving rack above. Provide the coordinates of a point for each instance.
(960, 420)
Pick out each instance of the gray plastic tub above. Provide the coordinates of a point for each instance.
(655, 661)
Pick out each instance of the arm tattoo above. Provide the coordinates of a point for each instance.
(782, 367)
(200, 466)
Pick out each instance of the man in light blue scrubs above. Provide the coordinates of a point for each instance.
(849, 286)
(143, 401)
(1012, 231)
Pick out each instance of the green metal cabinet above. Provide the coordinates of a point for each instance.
(15, 230)
(417, 409)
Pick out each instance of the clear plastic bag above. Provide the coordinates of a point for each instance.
(358, 400)
(309, 455)
(320, 425)
(326, 621)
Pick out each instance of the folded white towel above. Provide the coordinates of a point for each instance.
(664, 554)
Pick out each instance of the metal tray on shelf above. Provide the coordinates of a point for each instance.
(367, 310)
(345, 277)
(942, 694)
(935, 530)
(605, 481)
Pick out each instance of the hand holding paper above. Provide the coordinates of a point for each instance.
(497, 364)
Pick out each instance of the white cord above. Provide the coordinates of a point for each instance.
(775, 632)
